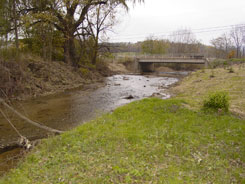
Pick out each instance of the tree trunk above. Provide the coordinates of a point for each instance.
(94, 59)
(50, 50)
(95, 51)
(50, 45)
(15, 26)
(7, 40)
(44, 54)
(238, 52)
(69, 50)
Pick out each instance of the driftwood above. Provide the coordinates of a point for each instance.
(28, 120)
(33, 141)
(10, 123)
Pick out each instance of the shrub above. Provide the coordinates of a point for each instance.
(212, 74)
(84, 72)
(231, 70)
(217, 101)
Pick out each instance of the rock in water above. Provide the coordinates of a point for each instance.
(129, 97)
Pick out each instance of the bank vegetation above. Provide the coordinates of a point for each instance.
(36, 35)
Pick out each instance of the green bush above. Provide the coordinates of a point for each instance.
(231, 70)
(84, 72)
(217, 101)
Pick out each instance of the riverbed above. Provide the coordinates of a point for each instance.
(72, 108)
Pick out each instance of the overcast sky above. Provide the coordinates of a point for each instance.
(207, 19)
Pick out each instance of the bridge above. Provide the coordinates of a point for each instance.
(148, 64)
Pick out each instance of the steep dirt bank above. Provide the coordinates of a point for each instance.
(119, 68)
(32, 78)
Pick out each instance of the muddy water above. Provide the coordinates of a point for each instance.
(70, 109)
(9, 159)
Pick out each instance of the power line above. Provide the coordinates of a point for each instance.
(218, 27)
(196, 31)
(192, 29)
(166, 35)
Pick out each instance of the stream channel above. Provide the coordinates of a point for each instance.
(70, 109)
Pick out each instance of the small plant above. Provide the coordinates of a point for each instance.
(212, 74)
(225, 63)
(231, 70)
(217, 101)
(84, 72)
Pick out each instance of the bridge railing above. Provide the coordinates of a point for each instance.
(159, 56)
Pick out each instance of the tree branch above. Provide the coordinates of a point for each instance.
(85, 11)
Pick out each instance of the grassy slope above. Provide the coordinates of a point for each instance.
(150, 141)
(196, 87)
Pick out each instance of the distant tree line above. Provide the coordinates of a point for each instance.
(68, 30)
(180, 43)
(231, 44)
(183, 43)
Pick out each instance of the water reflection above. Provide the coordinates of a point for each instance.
(67, 110)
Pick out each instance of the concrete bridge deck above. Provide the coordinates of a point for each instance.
(181, 61)
(148, 64)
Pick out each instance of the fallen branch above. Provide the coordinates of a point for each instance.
(11, 124)
(23, 141)
(28, 120)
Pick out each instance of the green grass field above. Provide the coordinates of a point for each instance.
(148, 141)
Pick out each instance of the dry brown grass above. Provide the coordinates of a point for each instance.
(33, 77)
(199, 84)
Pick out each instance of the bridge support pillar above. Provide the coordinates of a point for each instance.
(136, 66)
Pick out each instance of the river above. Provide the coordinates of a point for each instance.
(70, 109)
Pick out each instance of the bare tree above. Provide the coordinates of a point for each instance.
(222, 45)
(99, 21)
(238, 35)
(184, 41)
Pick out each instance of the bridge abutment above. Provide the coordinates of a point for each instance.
(146, 67)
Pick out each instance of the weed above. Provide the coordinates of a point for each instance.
(217, 101)
(212, 74)
(84, 72)
(231, 70)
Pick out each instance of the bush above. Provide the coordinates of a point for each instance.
(84, 72)
(231, 70)
(217, 101)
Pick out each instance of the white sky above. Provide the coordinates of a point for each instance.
(161, 17)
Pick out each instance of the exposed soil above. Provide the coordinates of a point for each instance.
(164, 69)
(32, 78)
(118, 68)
